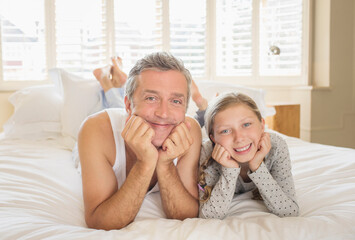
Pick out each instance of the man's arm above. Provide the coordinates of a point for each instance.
(178, 184)
(105, 207)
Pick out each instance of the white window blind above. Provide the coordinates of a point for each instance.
(22, 39)
(249, 41)
(271, 46)
(280, 37)
(138, 29)
(234, 39)
(81, 44)
(188, 34)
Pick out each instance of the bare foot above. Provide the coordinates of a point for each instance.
(103, 76)
(196, 96)
(118, 76)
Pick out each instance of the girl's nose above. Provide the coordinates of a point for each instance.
(238, 136)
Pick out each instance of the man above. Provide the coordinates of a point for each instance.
(152, 142)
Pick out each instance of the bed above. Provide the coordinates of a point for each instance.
(41, 192)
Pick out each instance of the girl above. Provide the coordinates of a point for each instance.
(241, 157)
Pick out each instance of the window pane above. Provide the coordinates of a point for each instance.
(188, 33)
(22, 40)
(234, 37)
(80, 35)
(280, 37)
(138, 29)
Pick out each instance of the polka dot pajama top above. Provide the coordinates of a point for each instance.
(273, 179)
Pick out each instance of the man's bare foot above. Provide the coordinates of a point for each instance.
(196, 96)
(103, 76)
(118, 76)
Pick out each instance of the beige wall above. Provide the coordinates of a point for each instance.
(6, 108)
(328, 107)
(333, 106)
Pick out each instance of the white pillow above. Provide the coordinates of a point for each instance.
(36, 113)
(209, 89)
(81, 97)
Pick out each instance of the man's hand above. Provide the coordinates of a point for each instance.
(264, 147)
(222, 156)
(138, 135)
(176, 144)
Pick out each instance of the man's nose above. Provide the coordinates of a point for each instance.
(162, 110)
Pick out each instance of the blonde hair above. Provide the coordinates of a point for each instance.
(220, 103)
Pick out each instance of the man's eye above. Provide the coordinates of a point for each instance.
(177, 101)
(150, 98)
(246, 124)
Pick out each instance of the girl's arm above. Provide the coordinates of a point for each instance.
(276, 186)
(224, 181)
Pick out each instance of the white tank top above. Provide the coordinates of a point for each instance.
(118, 118)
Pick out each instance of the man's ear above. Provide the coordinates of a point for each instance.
(128, 105)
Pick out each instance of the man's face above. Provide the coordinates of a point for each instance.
(160, 99)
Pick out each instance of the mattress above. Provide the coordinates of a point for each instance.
(41, 198)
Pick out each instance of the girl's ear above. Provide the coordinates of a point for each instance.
(211, 137)
(263, 123)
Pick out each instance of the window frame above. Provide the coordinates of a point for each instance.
(253, 80)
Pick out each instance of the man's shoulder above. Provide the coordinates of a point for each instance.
(96, 122)
(192, 122)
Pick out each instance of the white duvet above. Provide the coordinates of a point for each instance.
(41, 198)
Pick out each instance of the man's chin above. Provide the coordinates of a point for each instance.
(158, 142)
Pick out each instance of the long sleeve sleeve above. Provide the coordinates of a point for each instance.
(276, 186)
(218, 204)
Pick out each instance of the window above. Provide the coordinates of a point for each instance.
(252, 42)
(261, 42)
(22, 40)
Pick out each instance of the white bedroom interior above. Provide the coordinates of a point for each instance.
(311, 84)
(328, 102)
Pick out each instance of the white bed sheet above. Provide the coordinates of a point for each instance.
(41, 198)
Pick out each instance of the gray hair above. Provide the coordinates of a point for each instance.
(161, 61)
(222, 102)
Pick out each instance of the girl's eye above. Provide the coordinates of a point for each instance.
(226, 131)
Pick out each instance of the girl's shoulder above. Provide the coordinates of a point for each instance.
(278, 147)
(206, 150)
(277, 140)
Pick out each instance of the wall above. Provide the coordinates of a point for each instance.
(333, 97)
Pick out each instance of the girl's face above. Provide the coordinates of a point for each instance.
(238, 130)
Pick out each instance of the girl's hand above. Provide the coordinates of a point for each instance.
(264, 147)
(222, 156)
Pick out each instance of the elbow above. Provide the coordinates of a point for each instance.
(294, 212)
(96, 223)
(183, 216)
